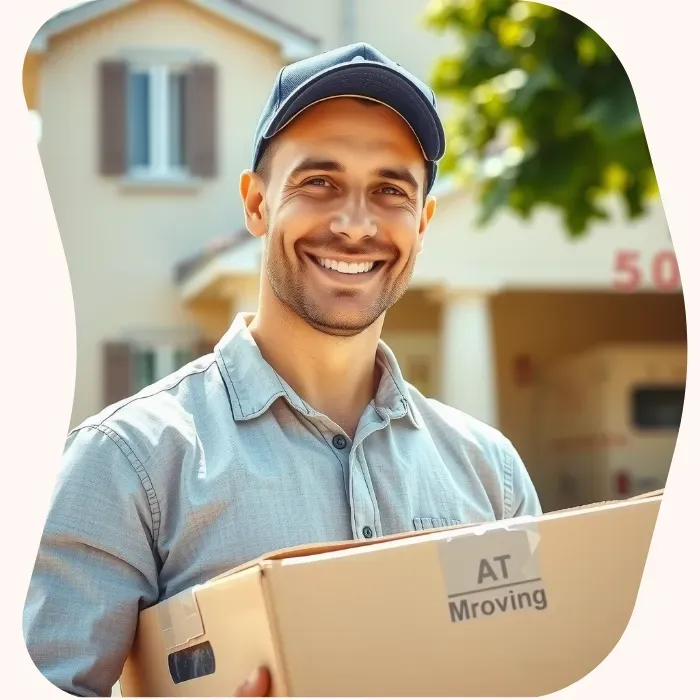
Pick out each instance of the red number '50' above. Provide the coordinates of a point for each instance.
(628, 276)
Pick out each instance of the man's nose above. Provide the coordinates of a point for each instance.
(354, 221)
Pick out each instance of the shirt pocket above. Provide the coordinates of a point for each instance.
(433, 523)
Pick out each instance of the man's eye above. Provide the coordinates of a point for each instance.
(392, 191)
(318, 182)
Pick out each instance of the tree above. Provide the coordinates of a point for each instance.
(544, 113)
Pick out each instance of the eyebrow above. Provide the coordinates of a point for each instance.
(314, 164)
(399, 174)
(326, 165)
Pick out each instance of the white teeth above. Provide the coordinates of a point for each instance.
(346, 268)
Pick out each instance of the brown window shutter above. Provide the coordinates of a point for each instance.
(201, 124)
(117, 371)
(112, 126)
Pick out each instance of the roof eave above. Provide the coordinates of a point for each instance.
(292, 46)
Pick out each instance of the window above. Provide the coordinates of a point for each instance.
(658, 407)
(150, 364)
(156, 121)
(131, 365)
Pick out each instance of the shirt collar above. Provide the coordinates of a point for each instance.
(254, 385)
(393, 392)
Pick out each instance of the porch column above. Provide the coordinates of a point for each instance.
(468, 380)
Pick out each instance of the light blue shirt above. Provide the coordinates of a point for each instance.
(222, 462)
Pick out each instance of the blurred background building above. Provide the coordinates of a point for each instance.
(574, 347)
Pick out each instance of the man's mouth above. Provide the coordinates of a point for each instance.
(348, 268)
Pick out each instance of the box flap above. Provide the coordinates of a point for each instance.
(327, 547)
(304, 550)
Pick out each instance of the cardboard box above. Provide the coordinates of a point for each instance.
(522, 607)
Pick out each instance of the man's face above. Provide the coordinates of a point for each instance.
(345, 214)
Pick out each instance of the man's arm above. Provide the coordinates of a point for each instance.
(95, 567)
(523, 496)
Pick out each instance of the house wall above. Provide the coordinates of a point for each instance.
(320, 18)
(535, 254)
(122, 244)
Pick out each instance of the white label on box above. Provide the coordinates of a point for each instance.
(494, 572)
(180, 620)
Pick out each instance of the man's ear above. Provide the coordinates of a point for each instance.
(252, 190)
(426, 215)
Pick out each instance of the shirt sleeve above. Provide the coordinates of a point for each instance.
(523, 495)
(96, 567)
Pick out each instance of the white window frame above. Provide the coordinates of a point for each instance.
(159, 124)
(165, 361)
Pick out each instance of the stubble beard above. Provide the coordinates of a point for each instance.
(289, 288)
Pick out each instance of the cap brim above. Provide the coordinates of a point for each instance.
(376, 82)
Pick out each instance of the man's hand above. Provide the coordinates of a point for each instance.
(257, 686)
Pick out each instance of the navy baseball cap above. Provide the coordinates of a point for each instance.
(358, 70)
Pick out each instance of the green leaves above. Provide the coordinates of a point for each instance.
(544, 113)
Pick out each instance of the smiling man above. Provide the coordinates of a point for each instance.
(299, 428)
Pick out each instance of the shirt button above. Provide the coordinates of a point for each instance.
(339, 442)
(367, 532)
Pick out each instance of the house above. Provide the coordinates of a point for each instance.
(148, 109)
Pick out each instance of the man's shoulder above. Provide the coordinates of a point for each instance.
(168, 408)
(456, 425)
